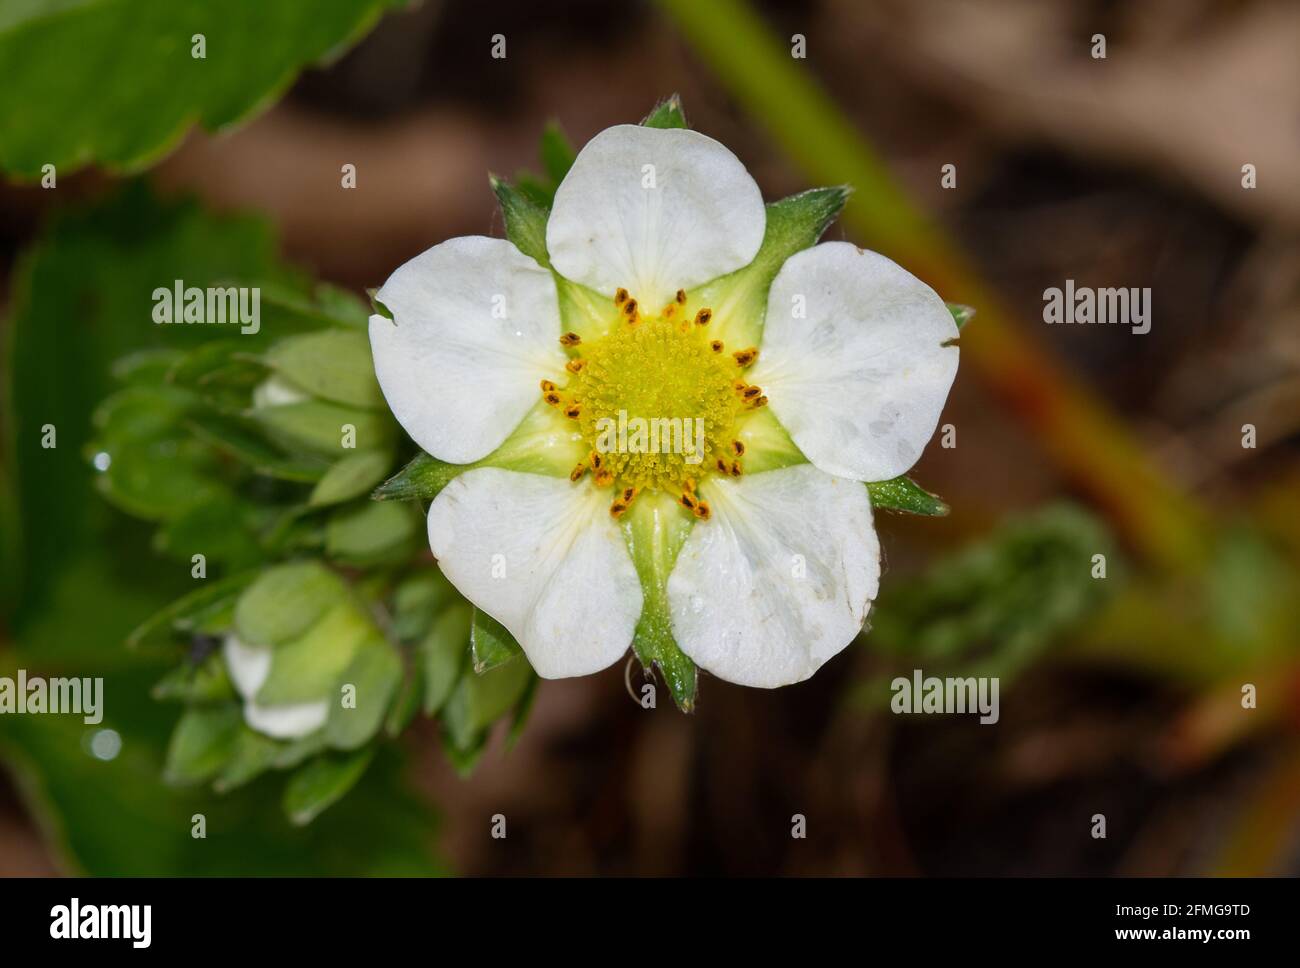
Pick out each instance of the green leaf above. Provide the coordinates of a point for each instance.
(187, 614)
(490, 644)
(206, 682)
(960, 314)
(557, 153)
(441, 654)
(667, 114)
(904, 494)
(201, 743)
(243, 440)
(286, 601)
(350, 477)
(375, 673)
(479, 701)
(655, 529)
(320, 428)
(309, 667)
(322, 783)
(333, 364)
(739, 299)
(417, 599)
(63, 52)
(525, 220)
(371, 533)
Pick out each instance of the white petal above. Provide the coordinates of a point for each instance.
(611, 226)
(544, 558)
(476, 326)
(287, 722)
(860, 382)
(779, 579)
(248, 667)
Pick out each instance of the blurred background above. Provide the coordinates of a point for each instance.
(1120, 696)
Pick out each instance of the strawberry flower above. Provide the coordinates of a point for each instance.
(664, 414)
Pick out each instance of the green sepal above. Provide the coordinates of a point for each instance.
(961, 314)
(667, 113)
(655, 529)
(905, 495)
(541, 444)
(739, 299)
(525, 220)
(322, 783)
(557, 153)
(490, 644)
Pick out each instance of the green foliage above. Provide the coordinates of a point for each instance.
(994, 606)
(63, 51)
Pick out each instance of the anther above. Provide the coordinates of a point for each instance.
(716, 346)
(547, 386)
(760, 402)
(722, 466)
(703, 316)
(738, 448)
(702, 510)
(736, 470)
(745, 357)
(573, 411)
(617, 508)
(597, 461)
(681, 296)
(575, 366)
(629, 310)
(552, 398)
(751, 392)
(576, 474)
(603, 477)
(570, 339)
(620, 297)
(688, 502)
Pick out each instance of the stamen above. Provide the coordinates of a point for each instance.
(596, 459)
(570, 339)
(736, 470)
(703, 316)
(547, 386)
(620, 297)
(738, 448)
(760, 402)
(751, 392)
(577, 473)
(617, 509)
(688, 502)
(702, 511)
(603, 477)
(681, 296)
(573, 411)
(722, 465)
(745, 357)
(575, 365)
(552, 398)
(716, 346)
(629, 310)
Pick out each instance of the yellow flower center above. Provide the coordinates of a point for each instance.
(657, 401)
